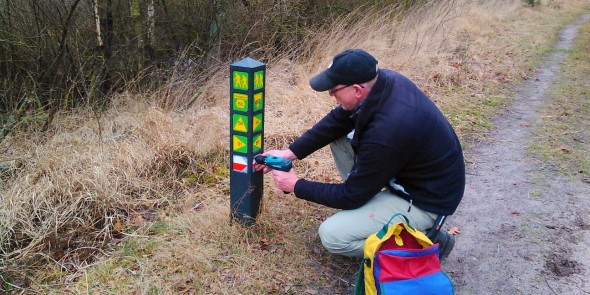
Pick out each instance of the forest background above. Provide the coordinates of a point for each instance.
(113, 114)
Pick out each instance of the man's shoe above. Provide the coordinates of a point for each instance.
(446, 243)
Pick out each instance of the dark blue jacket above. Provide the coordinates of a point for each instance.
(399, 132)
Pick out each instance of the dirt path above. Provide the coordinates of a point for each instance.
(524, 229)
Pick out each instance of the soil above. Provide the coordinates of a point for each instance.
(525, 229)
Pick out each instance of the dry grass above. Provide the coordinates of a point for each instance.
(106, 202)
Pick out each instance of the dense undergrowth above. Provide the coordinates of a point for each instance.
(64, 54)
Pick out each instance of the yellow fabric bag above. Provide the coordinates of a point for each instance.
(403, 260)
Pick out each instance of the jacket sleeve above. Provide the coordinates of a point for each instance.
(374, 167)
(335, 124)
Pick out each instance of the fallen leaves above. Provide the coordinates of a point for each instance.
(136, 220)
(117, 227)
(454, 230)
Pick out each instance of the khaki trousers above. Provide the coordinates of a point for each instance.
(345, 232)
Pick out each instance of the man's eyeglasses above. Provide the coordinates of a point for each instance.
(332, 91)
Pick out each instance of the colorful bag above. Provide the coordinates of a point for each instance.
(401, 260)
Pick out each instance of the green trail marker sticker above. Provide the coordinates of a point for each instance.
(258, 101)
(240, 102)
(240, 80)
(258, 80)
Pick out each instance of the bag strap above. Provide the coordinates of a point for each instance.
(433, 232)
(359, 286)
(385, 228)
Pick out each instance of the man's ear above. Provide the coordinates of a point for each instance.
(358, 90)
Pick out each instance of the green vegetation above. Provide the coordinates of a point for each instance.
(563, 138)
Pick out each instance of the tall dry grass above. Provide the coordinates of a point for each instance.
(135, 199)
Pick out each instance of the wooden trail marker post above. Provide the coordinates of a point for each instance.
(247, 79)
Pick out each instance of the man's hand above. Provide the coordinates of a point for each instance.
(285, 180)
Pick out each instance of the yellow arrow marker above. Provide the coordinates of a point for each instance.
(257, 143)
(240, 144)
(256, 123)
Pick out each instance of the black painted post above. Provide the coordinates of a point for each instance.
(247, 78)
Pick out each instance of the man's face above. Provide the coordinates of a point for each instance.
(348, 96)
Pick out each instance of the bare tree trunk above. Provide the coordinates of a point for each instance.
(7, 23)
(107, 51)
(151, 26)
(53, 101)
(214, 45)
(109, 30)
(96, 81)
(42, 62)
(6, 58)
(97, 20)
(7, 103)
(136, 18)
(151, 23)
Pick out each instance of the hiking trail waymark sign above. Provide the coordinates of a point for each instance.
(247, 83)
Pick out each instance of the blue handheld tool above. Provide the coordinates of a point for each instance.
(274, 162)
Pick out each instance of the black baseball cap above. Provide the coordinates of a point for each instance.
(352, 66)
